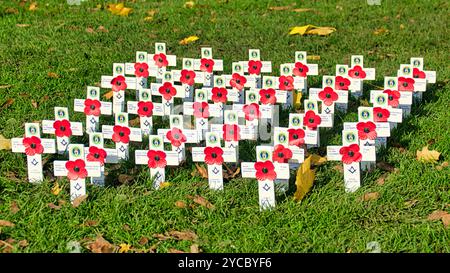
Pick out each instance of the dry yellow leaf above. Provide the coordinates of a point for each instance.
(56, 189)
(313, 57)
(5, 144)
(189, 40)
(148, 18)
(5, 223)
(33, 6)
(317, 160)
(164, 185)
(380, 31)
(311, 30)
(119, 9)
(427, 155)
(23, 25)
(77, 201)
(302, 10)
(189, 4)
(108, 95)
(124, 248)
(125, 11)
(304, 180)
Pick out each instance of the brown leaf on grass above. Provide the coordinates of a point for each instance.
(7, 248)
(23, 25)
(183, 235)
(10, 175)
(143, 240)
(381, 31)
(230, 173)
(195, 248)
(14, 208)
(52, 75)
(278, 8)
(180, 204)
(134, 122)
(382, 178)
(161, 237)
(385, 166)
(427, 155)
(90, 223)
(173, 250)
(339, 168)
(5, 223)
(5, 86)
(33, 6)
(437, 215)
(77, 201)
(446, 220)
(53, 206)
(102, 29)
(370, 196)
(302, 10)
(11, 11)
(100, 245)
(442, 166)
(23, 243)
(34, 104)
(108, 95)
(201, 201)
(125, 178)
(201, 170)
(90, 30)
(7, 104)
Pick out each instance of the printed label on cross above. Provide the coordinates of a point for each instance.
(92, 108)
(118, 83)
(33, 146)
(145, 108)
(62, 128)
(167, 91)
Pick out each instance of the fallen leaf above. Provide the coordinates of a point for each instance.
(381, 31)
(427, 155)
(437, 215)
(189, 4)
(33, 6)
(5, 144)
(402, 26)
(446, 220)
(411, 203)
(7, 248)
(100, 245)
(119, 9)
(7, 104)
(200, 170)
(5, 86)
(180, 204)
(11, 11)
(280, 8)
(148, 18)
(143, 240)
(102, 29)
(183, 235)
(382, 179)
(201, 201)
(304, 179)
(124, 248)
(134, 122)
(125, 178)
(14, 208)
(23, 243)
(339, 168)
(302, 10)
(52, 75)
(189, 40)
(313, 57)
(442, 166)
(173, 250)
(164, 184)
(161, 237)
(56, 189)
(108, 95)
(195, 248)
(34, 104)
(77, 201)
(90, 223)
(317, 160)
(229, 174)
(368, 196)
(23, 25)
(5, 223)
(385, 166)
(312, 30)
(90, 30)
(53, 206)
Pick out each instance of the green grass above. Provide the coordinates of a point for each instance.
(328, 220)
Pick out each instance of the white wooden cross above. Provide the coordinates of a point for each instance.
(33, 146)
(207, 64)
(299, 134)
(62, 128)
(76, 169)
(118, 83)
(312, 119)
(220, 95)
(359, 73)
(141, 70)
(122, 134)
(396, 99)
(156, 159)
(92, 108)
(330, 97)
(254, 67)
(214, 155)
(188, 77)
(159, 61)
(407, 81)
(167, 90)
(145, 109)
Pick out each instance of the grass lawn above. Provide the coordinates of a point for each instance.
(327, 220)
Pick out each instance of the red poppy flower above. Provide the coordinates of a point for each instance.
(187, 77)
(167, 91)
(350, 154)
(33, 145)
(281, 154)
(201, 109)
(213, 155)
(311, 120)
(62, 128)
(393, 97)
(254, 67)
(380, 114)
(405, 84)
(76, 169)
(328, 96)
(160, 60)
(300, 69)
(357, 72)
(207, 65)
(237, 81)
(267, 96)
(145, 108)
(92, 107)
(121, 134)
(265, 171)
(251, 111)
(366, 130)
(118, 83)
(230, 132)
(341, 83)
(418, 74)
(176, 137)
(286, 83)
(96, 154)
(296, 137)
(219, 94)
(141, 70)
(156, 159)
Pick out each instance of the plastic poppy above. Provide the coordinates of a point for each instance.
(328, 96)
(286, 83)
(405, 84)
(380, 114)
(167, 91)
(281, 154)
(254, 67)
(366, 130)
(187, 77)
(251, 111)
(121, 134)
(341, 83)
(141, 70)
(219, 94)
(265, 171)
(213, 155)
(176, 137)
(300, 69)
(62, 128)
(393, 97)
(350, 154)
(207, 65)
(32, 145)
(357, 72)
(201, 109)
(92, 107)
(76, 169)
(145, 108)
(96, 155)
(311, 120)
(296, 137)
(118, 83)
(230, 132)
(156, 159)
(417, 74)
(267, 96)
(160, 60)
(237, 81)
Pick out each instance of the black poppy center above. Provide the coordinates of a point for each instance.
(141, 69)
(295, 136)
(286, 83)
(157, 158)
(176, 136)
(121, 134)
(265, 170)
(328, 96)
(76, 169)
(351, 153)
(416, 76)
(219, 95)
(92, 107)
(300, 69)
(62, 128)
(160, 60)
(405, 84)
(238, 81)
(168, 90)
(255, 67)
(145, 108)
(366, 130)
(311, 120)
(380, 115)
(280, 154)
(268, 96)
(390, 97)
(206, 65)
(341, 84)
(213, 155)
(33, 146)
(356, 73)
(96, 155)
(119, 83)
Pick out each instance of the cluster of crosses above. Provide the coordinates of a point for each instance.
(220, 110)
